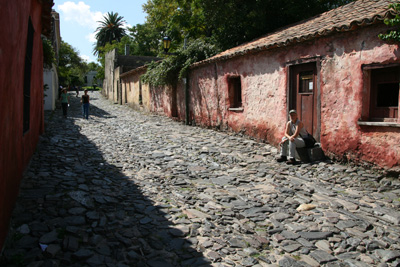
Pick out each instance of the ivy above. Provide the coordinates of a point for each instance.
(393, 35)
(175, 67)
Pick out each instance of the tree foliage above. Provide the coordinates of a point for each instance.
(393, 34)
(175, 67)
(177, 19)
(71, 67)
(48, 54)
(145, 40)
(110, 29)
(228, 22)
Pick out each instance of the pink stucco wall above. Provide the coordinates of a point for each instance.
(160, 100)
(341, 85)
(342, 94)
(263, 78)
(169, 101)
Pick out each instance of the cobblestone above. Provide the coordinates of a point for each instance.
(126, 188)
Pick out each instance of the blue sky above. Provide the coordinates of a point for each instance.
(78, 20)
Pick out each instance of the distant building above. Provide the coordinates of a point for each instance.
(90, 79)
(21, 93)
(115, 65)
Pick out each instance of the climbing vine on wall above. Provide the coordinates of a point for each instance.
(394, 34)
(174, 67)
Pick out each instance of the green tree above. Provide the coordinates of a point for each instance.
(110, 30)
(176, 18)
(71, 67)
(145, 40)
(228, 22)
(93, 66)
(49, 56)
(393, 34)
(233, 22)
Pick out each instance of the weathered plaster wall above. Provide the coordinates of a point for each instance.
(108, 82)
(146, 99)
(204, 97)
(128, 91)
(168, 100)
(16, 147)
(264, 78)
(180, 101)
(342, 99)
(50, 78)
(161, 100)
(131, 91)
(116, 86)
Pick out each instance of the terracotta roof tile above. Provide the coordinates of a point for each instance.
(344, 18)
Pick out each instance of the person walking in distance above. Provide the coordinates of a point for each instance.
(85, 104)
(64, 102)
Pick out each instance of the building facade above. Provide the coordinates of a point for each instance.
(115, 65)
(21, 93)
(342, 79)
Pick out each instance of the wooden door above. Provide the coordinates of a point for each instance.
(303, 95)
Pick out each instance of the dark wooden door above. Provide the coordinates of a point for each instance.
(303, 95)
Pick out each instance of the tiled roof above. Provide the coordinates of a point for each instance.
(344, 18)
(135, 61)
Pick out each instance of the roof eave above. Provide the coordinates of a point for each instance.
(344, 28)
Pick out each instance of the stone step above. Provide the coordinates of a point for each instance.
(310, 154)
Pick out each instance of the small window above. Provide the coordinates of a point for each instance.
(384, 101)
(306, 82)
(235, 92)
(27, 78)
(387, 95)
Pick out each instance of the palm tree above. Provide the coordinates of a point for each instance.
(110, 29)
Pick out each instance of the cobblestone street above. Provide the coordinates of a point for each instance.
(126, 188)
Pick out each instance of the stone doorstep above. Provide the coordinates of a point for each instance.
(310, 154)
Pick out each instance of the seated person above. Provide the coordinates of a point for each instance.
(294, 131)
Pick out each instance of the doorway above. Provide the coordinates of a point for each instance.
(303, 95)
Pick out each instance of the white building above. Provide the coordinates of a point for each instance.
(90, 78)
(50, 76)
